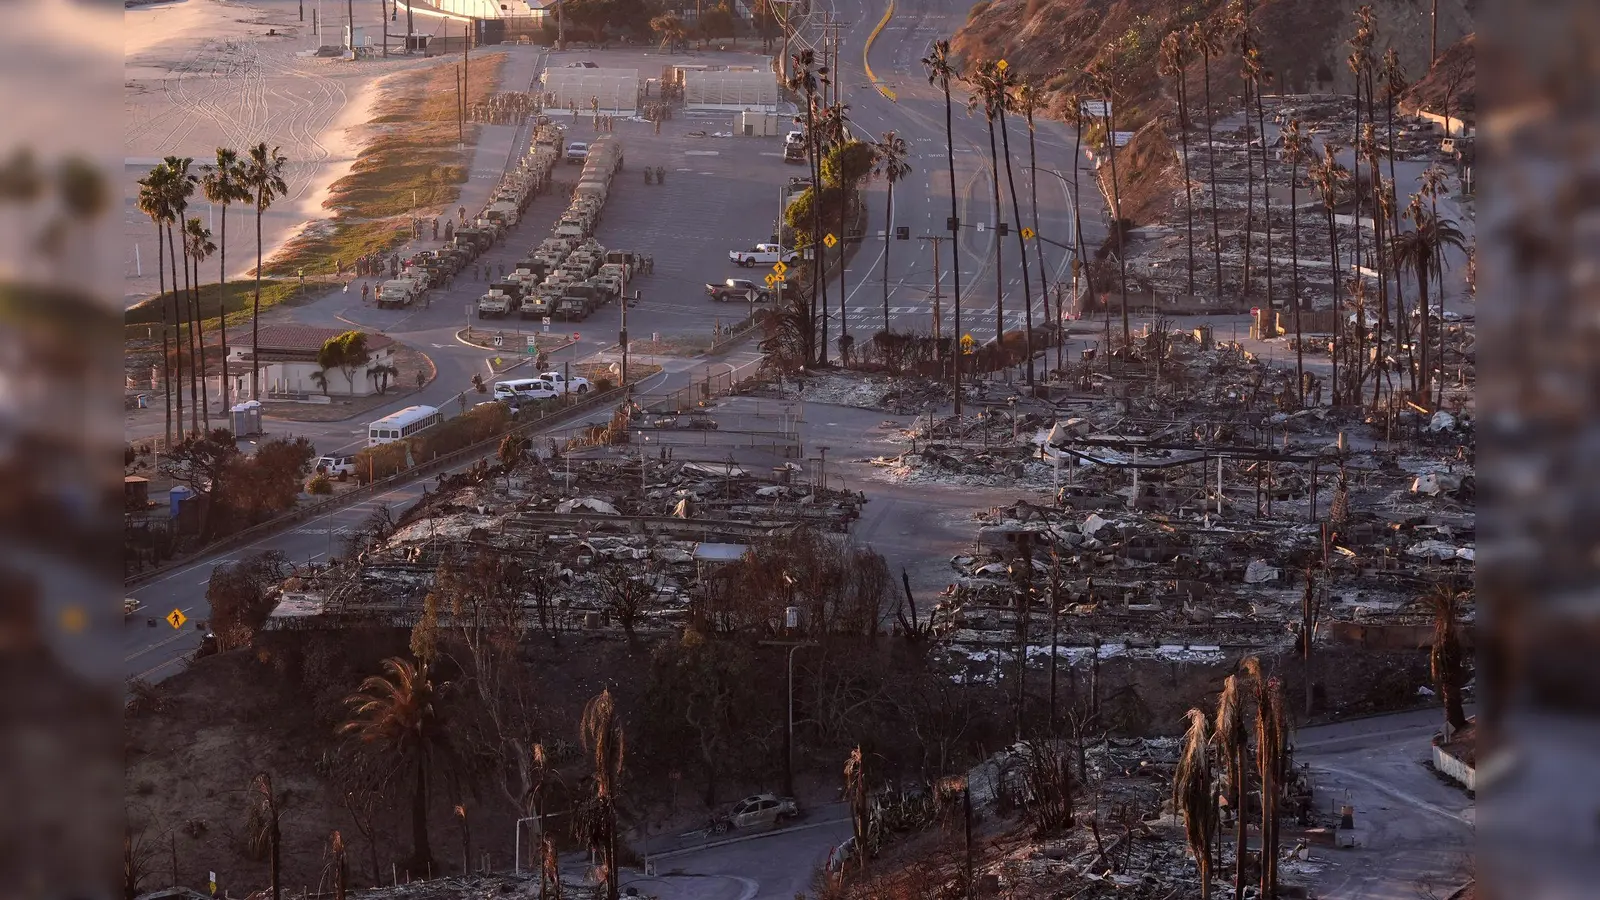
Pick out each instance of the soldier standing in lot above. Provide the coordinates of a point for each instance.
(436, 228)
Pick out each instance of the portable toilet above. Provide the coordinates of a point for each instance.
(176, 496)
(247, 418)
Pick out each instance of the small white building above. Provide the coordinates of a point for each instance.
(289, 362)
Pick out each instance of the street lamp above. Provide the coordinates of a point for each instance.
(788, 735)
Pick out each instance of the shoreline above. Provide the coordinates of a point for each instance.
(207, 73)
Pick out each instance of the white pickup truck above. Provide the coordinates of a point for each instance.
(763, 254)
(560, 383)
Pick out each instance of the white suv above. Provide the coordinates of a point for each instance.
(334, 466)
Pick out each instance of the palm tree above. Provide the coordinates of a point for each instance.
(1206, 37)
(1330, 178)
(986, 94)
(891, 154)
(1236, 19)
(1194, 796)
(1232, 738)
(395, 713)
(1360, 63)
(265, 811)
(180, 189)
(1258, 75)
(834, 125)
(1435, 184)
(602, 737)
(152, 202)
(1419, 251)
(1074, 96)
(223, 184)
(198, 247)
(1369, 148)
(1025, 100)
(807, 80)
(1176, 54)
(1006, 83)
(263, 178)
(1394, 84)
(1295, 147)
(1445, 655)
(940, 71)
(1106, 73)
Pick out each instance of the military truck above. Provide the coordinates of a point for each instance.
(396, 293)
(495, 304)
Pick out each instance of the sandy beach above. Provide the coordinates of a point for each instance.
(200, 74)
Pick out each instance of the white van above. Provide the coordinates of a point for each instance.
(524, 390)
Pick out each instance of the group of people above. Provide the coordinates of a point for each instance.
(506, 108)
(373, 264)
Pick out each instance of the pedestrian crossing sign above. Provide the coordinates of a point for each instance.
(830, 241)
(780, 268)
(772, 280)
(1027, 234)
(176, 618)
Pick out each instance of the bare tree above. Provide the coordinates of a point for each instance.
(1194, 796)
(626, 597)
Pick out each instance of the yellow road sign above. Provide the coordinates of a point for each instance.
(772, 280)
(176, 618)
(779, 279)
(1002, 65)
(1027, 234)
(780, 268)
(967, 343)
(830, 241)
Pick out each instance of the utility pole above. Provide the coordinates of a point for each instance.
(622, 336)
(561, 27)
(466, 45)
(938, 273)
(385, 20)
(350, 8)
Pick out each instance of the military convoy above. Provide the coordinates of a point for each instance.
(568, 275)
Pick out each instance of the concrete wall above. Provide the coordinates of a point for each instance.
(1455, 768)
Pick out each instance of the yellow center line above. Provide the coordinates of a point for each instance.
(867, 66)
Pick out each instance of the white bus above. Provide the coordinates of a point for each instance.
(402, 424)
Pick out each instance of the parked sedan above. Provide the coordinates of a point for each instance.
(762, 810)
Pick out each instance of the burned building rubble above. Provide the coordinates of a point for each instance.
(577, 528)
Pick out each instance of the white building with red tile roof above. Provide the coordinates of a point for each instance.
(289, 368)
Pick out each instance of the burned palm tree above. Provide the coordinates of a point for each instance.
(1194, 796)
(1295, 152)
(940, 70)
(596, 822)
(1446, 656)
(857, 795)
(1232, 736)
(1271, 725)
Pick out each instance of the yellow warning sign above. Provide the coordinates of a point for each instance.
(176, 618)
(1002, 65)
(780, 268)
(1027, 234)
(772, 280)
(967, 344)
(830, 241)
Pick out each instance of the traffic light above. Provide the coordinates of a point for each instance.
(951, 223)
(1003, 229)
(902, 233)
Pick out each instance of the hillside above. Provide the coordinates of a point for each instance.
(1301, 41)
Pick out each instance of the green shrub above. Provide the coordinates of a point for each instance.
(319, 484)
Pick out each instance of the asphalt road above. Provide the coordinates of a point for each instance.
(1417, 832)
(922, 200)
